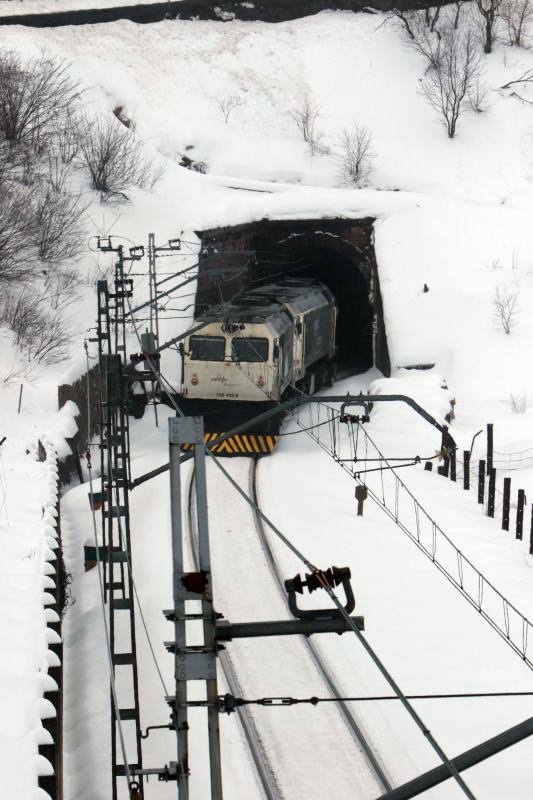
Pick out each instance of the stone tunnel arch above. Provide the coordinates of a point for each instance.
(331, 261)
(338, 252)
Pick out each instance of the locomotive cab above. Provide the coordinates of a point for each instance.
(242, 357)
(238, 361)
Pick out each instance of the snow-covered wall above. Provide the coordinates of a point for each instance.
(30, 624)
(50, 748)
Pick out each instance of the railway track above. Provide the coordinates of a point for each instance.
(259, 757)
(265, 769)
(353, 726)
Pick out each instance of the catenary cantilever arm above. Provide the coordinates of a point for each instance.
(346, 399)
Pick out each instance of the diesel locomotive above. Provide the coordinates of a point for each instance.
(245, 356)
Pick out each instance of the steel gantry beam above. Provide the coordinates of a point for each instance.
(346, 400)
(461, 762)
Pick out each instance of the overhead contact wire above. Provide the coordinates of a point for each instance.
(381, 667)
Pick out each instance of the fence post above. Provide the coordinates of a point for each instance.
(492, 493)
(506, 503)
(481, 483)
(490, 447)
(466, 469)
(453, 465)
(520, 513)
(444, 468)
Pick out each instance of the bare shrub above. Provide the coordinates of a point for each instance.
(505, 307)
(18, 258)
(517, 17)
(18, 311)
(229, 104)
(42, 335)
(66, 137)
(58, 225)
(519, 403)
(18, 371)
(306, 115)
(61, 286)
(458, 72)
(489, 11)
(355, 154)
(114, 158)
(51, 341)
(420, 36)
(477, 96)
(57, 173)
(33, 96)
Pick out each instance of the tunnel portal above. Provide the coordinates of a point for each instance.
(338, 252)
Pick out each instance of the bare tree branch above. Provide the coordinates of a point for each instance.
(489, 11)
(34, 95)
(505, 303)
(457, 73)
(229, 104)
(18, 257)
(517, 17)
(59, 227)
(526, 77)
(114, 159)
(355, 154)
(306, 114)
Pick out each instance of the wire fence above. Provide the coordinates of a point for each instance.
(348, 443)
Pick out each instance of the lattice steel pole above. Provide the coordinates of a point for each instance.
(199, 662)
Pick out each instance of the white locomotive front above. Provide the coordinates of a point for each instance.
(243, 356)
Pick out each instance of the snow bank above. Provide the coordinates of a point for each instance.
(428, 389)
(29, 622)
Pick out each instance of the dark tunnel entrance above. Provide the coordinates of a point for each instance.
(338, 252)
(349, 287)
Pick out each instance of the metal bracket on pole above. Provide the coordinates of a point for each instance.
(334, 576)
(227, 631)
(199, 662)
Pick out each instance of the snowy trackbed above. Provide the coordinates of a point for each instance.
(253, 740)
(272, 736)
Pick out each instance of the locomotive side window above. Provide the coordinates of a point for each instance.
(249, 349)
(207, 348)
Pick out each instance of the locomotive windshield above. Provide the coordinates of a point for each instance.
(207, 348)
(249, 349)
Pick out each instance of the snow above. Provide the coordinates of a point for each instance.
(453, 215)
(28, 540)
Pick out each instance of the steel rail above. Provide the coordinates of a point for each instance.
(258, 754)
(353, 726)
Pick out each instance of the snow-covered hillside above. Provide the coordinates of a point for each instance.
(451, 214)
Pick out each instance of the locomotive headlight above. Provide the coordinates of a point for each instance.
(260, 381)
(194, 380)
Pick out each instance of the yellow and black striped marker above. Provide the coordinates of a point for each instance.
(242, 444)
